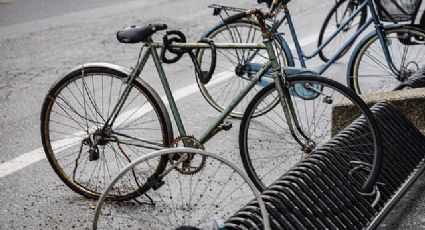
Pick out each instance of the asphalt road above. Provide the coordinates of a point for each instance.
(41, 40)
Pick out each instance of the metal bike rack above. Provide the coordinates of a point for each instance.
(319, 193)
(260, 208)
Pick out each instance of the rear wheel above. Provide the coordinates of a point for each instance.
(322, 108)
(341, 11)
(84, 153)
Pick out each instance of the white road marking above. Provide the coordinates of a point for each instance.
(36, 155)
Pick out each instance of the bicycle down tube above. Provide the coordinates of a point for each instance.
(152, 50)
(302, 56)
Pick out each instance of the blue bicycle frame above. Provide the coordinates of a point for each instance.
(374, 19)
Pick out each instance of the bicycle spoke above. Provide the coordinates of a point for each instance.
(85, 152)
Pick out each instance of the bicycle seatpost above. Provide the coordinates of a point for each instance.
(274, 5)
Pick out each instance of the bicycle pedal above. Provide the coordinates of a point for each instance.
(155, 182)
(93, 154)
(226, 126)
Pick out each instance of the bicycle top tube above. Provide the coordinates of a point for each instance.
(198, 45)
(177, 45)
(212, 129)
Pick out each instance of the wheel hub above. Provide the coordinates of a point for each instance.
(102, 136)
(408, 70)
(309, 147)
(306, 91)
(240, 70)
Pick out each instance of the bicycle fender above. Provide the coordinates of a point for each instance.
(362, 43)
(292, 71)
(118, 68)
(127, 72)
(279, 38)
(91, 65)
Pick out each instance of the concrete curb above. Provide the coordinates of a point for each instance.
(410, 102)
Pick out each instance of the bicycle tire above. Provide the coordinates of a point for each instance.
(228, 79)
(195, 201)
(72, 114)
(368, 70)
(323, 54)
(268, 150)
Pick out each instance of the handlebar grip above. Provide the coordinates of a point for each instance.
(235, 17)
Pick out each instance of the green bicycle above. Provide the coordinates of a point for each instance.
(100, 117)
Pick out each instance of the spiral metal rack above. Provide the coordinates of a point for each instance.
(319, 194)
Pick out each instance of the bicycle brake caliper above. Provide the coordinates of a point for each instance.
(155, 182)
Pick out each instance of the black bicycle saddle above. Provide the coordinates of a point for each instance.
(136, 34)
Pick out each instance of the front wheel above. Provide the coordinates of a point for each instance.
(84, 153)
(369, 70)
(322, 108)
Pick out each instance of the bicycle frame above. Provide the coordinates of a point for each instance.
(212, 130)
(374, 19)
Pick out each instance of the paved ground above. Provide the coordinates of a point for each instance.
(42, 40)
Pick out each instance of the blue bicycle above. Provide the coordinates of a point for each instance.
(382, 60)
(389, 11)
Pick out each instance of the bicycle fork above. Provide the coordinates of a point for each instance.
(286, 103)
(294, 126)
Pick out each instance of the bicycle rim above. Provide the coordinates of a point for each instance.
(183, 201)
(338, 14)
(371, 72)
(268, 149)
(235, 67)
(72, 118)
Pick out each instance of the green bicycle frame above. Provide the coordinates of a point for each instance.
(152, 51)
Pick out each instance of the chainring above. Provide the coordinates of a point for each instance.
(194, 163)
